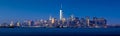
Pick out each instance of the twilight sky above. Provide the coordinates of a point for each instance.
(41, 9)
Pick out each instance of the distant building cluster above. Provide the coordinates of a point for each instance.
(71, 22)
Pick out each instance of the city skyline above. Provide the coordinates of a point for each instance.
(40, 9)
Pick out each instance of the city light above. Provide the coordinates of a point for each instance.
(70, 22)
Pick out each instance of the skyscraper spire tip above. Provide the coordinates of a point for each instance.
(61, 6)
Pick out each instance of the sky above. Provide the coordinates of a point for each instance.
(41, 9)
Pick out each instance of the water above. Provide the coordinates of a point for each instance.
(59, 31)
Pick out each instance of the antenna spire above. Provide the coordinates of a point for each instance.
(61, 6)
(61, 13)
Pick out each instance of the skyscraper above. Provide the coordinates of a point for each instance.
(61, 13)
(87, 20)
(11, 23)
(50, 18)
(18, 23)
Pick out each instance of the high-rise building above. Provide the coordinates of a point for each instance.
(63, 20)
(77, 22)
(12, 23)
(50, 18)
(83, 22)
(88, 20)
(61, 13)
(18, 23)
(29, 23)
(72, 17)
(95, 21)
(53, 21)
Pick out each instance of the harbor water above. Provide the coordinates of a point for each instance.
(59, 31)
